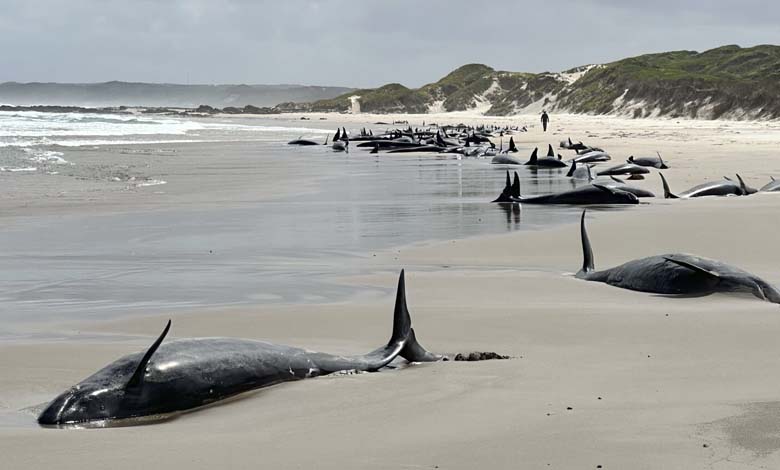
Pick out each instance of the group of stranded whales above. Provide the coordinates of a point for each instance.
(469, 141)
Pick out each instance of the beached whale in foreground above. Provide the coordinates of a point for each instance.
(185, 374)
(675, 273)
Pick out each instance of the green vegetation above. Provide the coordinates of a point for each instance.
(728, 80)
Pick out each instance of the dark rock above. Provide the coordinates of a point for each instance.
(206, 109)
(479, 356)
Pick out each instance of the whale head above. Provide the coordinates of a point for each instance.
(115, 392)
(88, 403)
(764, 290)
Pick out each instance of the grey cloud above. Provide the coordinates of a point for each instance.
(351, 42)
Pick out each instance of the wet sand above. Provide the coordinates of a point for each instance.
(599, 375)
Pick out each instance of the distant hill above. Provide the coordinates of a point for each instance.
(160, 95)
(727, 82)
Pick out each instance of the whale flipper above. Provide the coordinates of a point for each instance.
(136, 381)
(617, 180)
(606, 188)
(587, 251)
(692, 267)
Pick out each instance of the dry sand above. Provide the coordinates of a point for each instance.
(599, 376)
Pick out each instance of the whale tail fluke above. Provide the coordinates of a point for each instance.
(667, 192)
(590, 173)
(587, 251)
(402, 329)
(515, 192)
(414, 352)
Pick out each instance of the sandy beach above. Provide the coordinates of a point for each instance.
(599, 377)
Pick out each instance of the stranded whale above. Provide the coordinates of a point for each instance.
(717, 188)
(587, 194)
(675, 273)
(185, 374)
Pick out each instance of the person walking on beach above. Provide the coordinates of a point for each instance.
(545, 120)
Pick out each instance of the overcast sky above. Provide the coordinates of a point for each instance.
(352, 43)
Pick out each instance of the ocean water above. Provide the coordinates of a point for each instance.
(289, 249)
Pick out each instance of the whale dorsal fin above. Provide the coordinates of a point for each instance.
(550, 152)
(138, 376)
(534, 156)
(508, 181)
(590, 173)
(692, 267)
